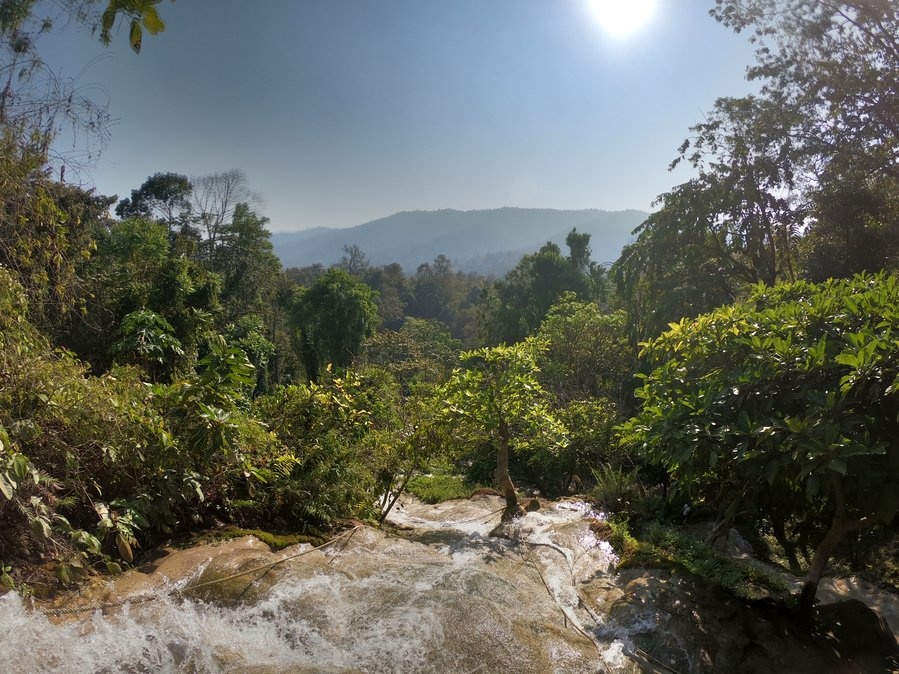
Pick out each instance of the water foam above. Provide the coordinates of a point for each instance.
(320, 623)
(383, 605)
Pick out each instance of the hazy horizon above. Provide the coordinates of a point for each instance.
(343, 113)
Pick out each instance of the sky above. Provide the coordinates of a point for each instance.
(344, 111)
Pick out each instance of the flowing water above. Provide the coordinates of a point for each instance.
(445, 597)
(452, 593)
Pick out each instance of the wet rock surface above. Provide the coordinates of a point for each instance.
(445, 597)
(454, 590)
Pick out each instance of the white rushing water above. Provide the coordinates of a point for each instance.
(452, 598)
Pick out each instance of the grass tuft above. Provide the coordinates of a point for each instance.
(439, 488)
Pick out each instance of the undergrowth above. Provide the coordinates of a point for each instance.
(659, 546)
(439, 488)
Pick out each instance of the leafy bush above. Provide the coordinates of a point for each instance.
(588, 354)
(58, 430)
(323, 473)
(664, 545)
(784, 405)
(92, 465)
(148, 340)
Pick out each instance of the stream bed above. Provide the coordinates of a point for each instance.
(450, 593)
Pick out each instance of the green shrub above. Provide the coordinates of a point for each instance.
(783, 405)
(739, 577)
(439, 488)
(614, 487)
(324, 473)
(98, 464)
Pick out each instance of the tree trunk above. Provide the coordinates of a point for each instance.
(723, 525)
(780, 535)
(806, 605)
(839, 527)
(501, 474)
(399, 491)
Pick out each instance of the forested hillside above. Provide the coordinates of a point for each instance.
(161, 372)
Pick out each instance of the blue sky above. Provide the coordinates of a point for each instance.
(343, 111)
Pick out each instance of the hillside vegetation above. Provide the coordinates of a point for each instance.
(161, 372)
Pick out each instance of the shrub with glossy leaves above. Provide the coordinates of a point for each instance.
(784, 406)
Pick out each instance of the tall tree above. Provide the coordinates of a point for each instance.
(734, 225)
(214, 200)
(854, 228)
(246, 261)
(332, 318)
(438, 292)
(252, 282)
(834, 66)
(138, 268)
(47, 230)
(164, 197)
(579, 250)
(826, 115)
(392, 287)
(515, 306)
(354, 261)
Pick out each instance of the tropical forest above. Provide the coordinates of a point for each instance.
(682, 460)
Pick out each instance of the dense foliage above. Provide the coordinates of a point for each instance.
(160, 372)
(796, 181)
(784, 406)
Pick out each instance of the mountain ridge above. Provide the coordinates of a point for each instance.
(484, 241)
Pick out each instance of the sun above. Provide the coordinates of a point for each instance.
(620, 18)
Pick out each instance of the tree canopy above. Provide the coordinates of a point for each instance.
(819, 141)
(515, 306)
(332, 318)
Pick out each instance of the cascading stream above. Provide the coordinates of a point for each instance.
(448, 598)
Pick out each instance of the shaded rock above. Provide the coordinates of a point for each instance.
(854, 629)
(678, 621)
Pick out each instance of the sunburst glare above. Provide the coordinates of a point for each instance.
(620, 18)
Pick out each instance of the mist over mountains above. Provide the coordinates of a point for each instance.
(488, 242)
